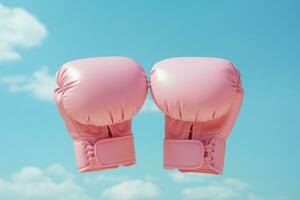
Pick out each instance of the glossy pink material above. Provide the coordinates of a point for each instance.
(98, 97)
(201, 99)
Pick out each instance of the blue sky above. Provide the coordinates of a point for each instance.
(260, 37)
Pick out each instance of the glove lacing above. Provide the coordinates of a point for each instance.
(209, 150)
(90, 155)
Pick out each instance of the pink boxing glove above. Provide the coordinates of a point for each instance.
(201, 99)
(97, 98)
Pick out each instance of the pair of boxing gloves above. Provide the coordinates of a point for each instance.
(200, 97)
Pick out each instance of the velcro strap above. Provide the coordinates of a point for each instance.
(115, 151)
(187, 154)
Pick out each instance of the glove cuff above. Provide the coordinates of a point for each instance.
(104, 154)
(183, 154)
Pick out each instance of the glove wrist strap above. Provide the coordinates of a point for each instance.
(104, 154)
(183, 154)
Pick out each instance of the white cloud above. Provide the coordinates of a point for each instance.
(32, 174)
(18, 29)
(59, 171)
(188, 177)
(55, 182)
(210, 192)
(235, 183)
(227, 188)
(132, 189)
(211, 187)
(33, 183)
(93, 180)
(149, 106)
(40, 84)
(221, 189)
